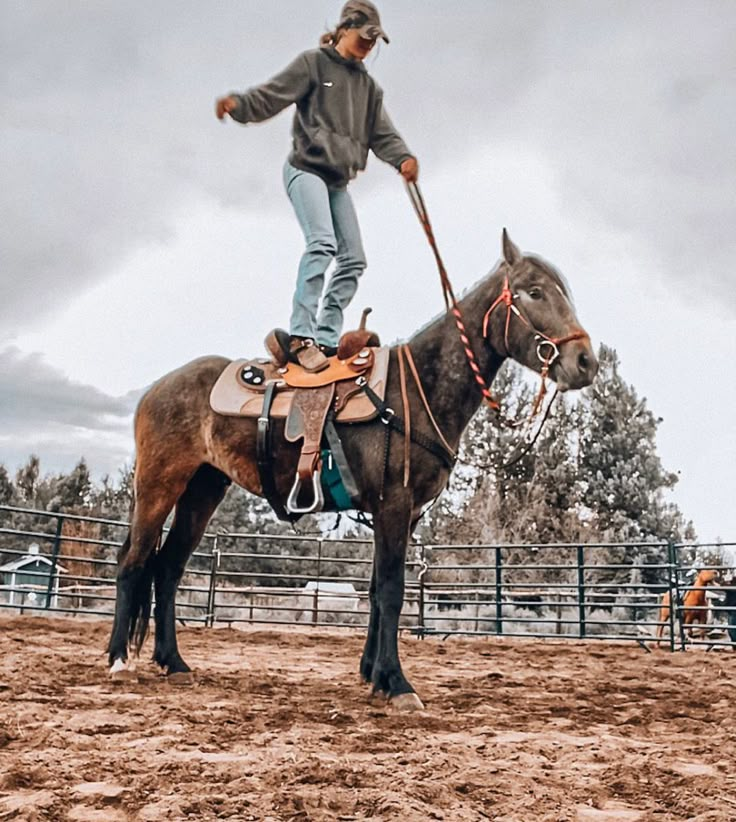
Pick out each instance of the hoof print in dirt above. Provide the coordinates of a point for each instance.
(181, 678)
(122, 672)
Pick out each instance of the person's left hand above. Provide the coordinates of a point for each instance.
(409, 170)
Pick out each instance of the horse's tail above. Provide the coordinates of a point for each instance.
(137, 583)
(141, 594)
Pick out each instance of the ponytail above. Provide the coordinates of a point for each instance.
(329, 38)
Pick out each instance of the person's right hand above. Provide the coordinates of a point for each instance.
(225, 105)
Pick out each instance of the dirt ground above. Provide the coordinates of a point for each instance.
(277, 726)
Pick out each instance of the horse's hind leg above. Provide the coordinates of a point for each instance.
(193, 511)
(134, 578)
(135, 569)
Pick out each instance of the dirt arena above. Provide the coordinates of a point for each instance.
(278, 727)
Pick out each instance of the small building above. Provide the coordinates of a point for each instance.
(25, 581)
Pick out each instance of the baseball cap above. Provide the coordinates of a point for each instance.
(362, 15)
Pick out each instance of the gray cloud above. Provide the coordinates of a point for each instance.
(32, 392)
(107, 116)
(43, 412)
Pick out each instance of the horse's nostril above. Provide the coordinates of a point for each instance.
(583, 361)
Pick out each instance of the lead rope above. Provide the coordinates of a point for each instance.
(451, 303)
(506, 298)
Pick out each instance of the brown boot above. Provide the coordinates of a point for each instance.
(277, 344)
(305, 351)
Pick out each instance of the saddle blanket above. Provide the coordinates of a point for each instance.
(238, 391)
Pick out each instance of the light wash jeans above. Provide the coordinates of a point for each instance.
(330, 227)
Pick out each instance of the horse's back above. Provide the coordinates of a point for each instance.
(177, 402)
(180, 383)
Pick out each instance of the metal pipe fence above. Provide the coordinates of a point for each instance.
(592, 591)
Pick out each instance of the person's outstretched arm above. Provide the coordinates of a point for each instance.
(263, 102)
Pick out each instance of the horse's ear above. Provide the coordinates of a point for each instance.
(511, 253)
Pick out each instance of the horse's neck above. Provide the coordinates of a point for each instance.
(452, 392)
(700, 582)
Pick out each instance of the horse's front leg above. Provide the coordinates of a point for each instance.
(391, 537)
(371, 641)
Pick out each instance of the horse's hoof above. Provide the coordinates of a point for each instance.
(406, 703)
(122, 671)
(377, 698)
(181, 678)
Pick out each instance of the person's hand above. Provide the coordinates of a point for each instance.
(224, 106)
(409, 170)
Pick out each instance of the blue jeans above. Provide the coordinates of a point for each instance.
(330, 227)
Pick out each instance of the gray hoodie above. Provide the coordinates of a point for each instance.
(339, 115)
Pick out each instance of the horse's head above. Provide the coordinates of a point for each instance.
(706, 577)
(533, 321)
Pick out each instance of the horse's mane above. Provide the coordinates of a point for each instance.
(467, 290)
(548, 268)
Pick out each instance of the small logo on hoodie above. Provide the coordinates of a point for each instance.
(328, 83)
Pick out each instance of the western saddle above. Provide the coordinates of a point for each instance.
(310, 403)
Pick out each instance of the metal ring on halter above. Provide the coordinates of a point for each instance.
(555, 351)
(386, 415)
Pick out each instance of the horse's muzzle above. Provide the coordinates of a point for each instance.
(576, 366)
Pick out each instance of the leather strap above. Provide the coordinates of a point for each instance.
(306, 421)
(420, 388)
(407, 416)
(264, 458)
(388, 416)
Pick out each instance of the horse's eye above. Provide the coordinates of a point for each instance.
(535, 293)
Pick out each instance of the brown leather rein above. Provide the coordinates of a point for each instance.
(547, 347)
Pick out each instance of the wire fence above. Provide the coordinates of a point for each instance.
(65, 564)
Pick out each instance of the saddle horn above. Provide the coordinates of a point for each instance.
(352, 342)
(364, 317)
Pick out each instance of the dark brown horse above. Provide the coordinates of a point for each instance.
(187, 455)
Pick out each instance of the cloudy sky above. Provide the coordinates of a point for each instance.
(138, 232)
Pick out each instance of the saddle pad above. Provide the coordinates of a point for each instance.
(234, 398)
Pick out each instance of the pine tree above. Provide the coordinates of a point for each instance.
(622, 477)
(73, 490)
(6, 487)
(26, 479)
(593, 475)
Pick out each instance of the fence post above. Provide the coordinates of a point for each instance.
(315, 601)
(677, 602)
(212, 592)
(424, 567)
(499, 592)
(54, 559)
(581, 591)
(672, 592)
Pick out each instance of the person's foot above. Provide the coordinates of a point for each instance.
(306, 353)
(328, 350)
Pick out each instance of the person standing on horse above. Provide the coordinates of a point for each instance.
(339, 117)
